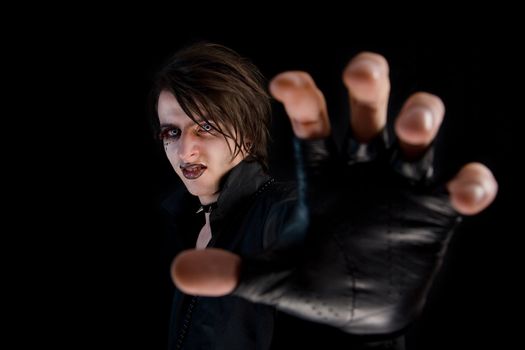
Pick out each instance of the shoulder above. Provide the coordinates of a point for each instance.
(278, 193)
(273, 208)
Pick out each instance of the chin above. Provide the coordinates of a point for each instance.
(201, 190)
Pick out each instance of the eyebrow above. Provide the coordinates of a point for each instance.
(168, 125)
(172, 125)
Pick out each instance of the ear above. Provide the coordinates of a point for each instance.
(248, 146)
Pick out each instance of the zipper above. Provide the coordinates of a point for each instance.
(186, 324)
(193, 300)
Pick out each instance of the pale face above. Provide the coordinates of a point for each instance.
(199, 157)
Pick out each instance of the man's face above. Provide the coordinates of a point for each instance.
(199, 157)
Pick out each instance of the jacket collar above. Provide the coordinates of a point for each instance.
(238, 185)
(241, 182)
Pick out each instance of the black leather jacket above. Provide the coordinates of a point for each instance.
(251, 210)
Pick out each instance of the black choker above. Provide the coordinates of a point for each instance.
(207, 208)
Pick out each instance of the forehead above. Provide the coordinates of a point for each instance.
(170, 111)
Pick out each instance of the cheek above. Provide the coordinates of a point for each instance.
(224, 160)
(174, 161)
(170, 147)
(170, 150)
(171, 159)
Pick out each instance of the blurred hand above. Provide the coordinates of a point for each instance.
(376, 226)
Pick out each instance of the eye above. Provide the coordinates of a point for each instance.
(171, 133)
(206, 127)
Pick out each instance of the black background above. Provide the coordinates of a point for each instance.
(113, 274)
(466, 306)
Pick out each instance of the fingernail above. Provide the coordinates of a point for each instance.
(291, 79)
(417, 118)
(365, 66)
(474, 192)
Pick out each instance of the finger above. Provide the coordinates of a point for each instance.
(473, 189)
(366, 77)
(418, 123)
(304, 103)
(208, 272)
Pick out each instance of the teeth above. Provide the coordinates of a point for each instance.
(193, 167)
(193, 171)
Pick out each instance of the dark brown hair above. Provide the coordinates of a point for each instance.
(214, 83)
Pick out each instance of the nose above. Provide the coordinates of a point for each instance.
(188, 149)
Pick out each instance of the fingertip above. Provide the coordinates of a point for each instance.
(304, 103)
(368, 65)
(208, 272)
(284, 84)
(366, 76)
(275, 87)
(473, 189)
(418, 123)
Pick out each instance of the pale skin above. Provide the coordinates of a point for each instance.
(188, 144)
(214, 272)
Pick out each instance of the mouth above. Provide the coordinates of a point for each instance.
(193, 171)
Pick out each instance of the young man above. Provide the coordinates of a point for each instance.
(354, 245)
(213, 117)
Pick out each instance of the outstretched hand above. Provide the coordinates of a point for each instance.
(378, 225)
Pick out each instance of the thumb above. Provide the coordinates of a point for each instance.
(209, 272)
